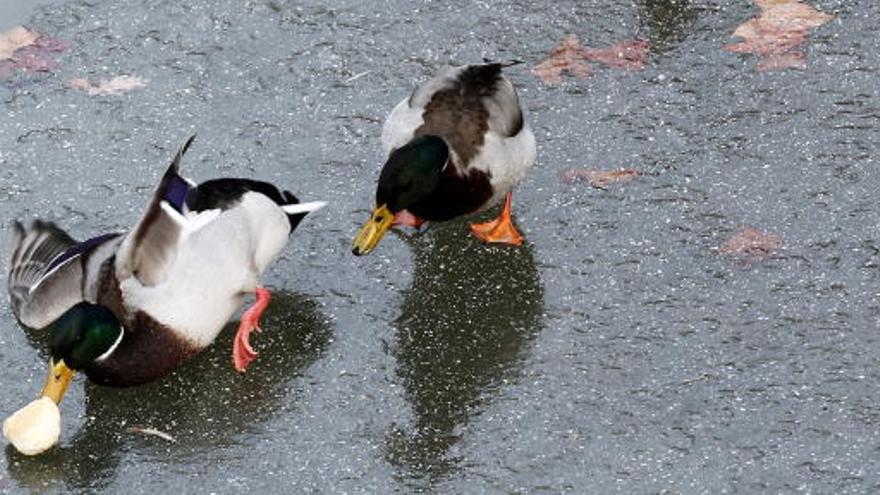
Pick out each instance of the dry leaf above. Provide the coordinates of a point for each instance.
(599, 178)
(14, 39)
(778, 33)
(114, 86)
(752, 243)
(23, 49)
(627, 55)
(34, 59)
(569, 56)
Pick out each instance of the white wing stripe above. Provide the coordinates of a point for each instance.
(112, 347)
(303, 207)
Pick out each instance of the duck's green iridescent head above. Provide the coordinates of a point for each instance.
(83, 335)
(411, 173)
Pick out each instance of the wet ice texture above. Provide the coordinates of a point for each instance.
(615, 352)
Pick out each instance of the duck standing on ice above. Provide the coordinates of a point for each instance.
(457, 145)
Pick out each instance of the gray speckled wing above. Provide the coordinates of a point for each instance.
(41, 288)
(151, 247)
(505, 114)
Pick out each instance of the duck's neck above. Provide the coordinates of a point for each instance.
(455, 195)
(147, 352)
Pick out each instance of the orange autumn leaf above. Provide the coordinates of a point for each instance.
(571, 57)
(778, 33)
(598, 178)
(627, 55)
(752, 243)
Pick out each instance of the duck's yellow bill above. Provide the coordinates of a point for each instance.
(372, 231)
(57, 382)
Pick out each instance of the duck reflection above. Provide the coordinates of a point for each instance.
(667, 21)
(464, 329)
(204, 404)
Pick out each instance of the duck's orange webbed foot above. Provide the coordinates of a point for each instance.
(499, 231)
(242, 352)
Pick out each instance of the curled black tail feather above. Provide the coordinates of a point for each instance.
(509, 63)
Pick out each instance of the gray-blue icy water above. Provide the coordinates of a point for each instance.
(615, 352)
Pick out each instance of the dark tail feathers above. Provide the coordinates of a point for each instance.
(226, 193)
(294, 218)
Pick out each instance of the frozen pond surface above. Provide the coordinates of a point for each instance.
(614, 352)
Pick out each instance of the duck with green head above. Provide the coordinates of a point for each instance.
(457, 145)
(127, 308)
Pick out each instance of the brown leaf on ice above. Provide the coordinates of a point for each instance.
(598, 178)
(778, 33)
(15, 39)
(23, 49)
(570, 57)
(34, 59)
(114, 86)
(752, 243)
(627, 55)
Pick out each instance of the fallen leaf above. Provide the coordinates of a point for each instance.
(23, 49)
(114, 86)
(34, 59)
(626, 55)
(778, 33)
(51, 44)
(599, 178)
(752, 243)
(570, 57)
(14, 39)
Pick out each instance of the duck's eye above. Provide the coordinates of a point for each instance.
(377, 219)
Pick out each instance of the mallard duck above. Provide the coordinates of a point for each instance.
(456, 146)
(127, 308)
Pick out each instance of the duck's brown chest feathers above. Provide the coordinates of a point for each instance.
(148, 351)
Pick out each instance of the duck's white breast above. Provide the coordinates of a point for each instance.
(216, 267)
(506, 159)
